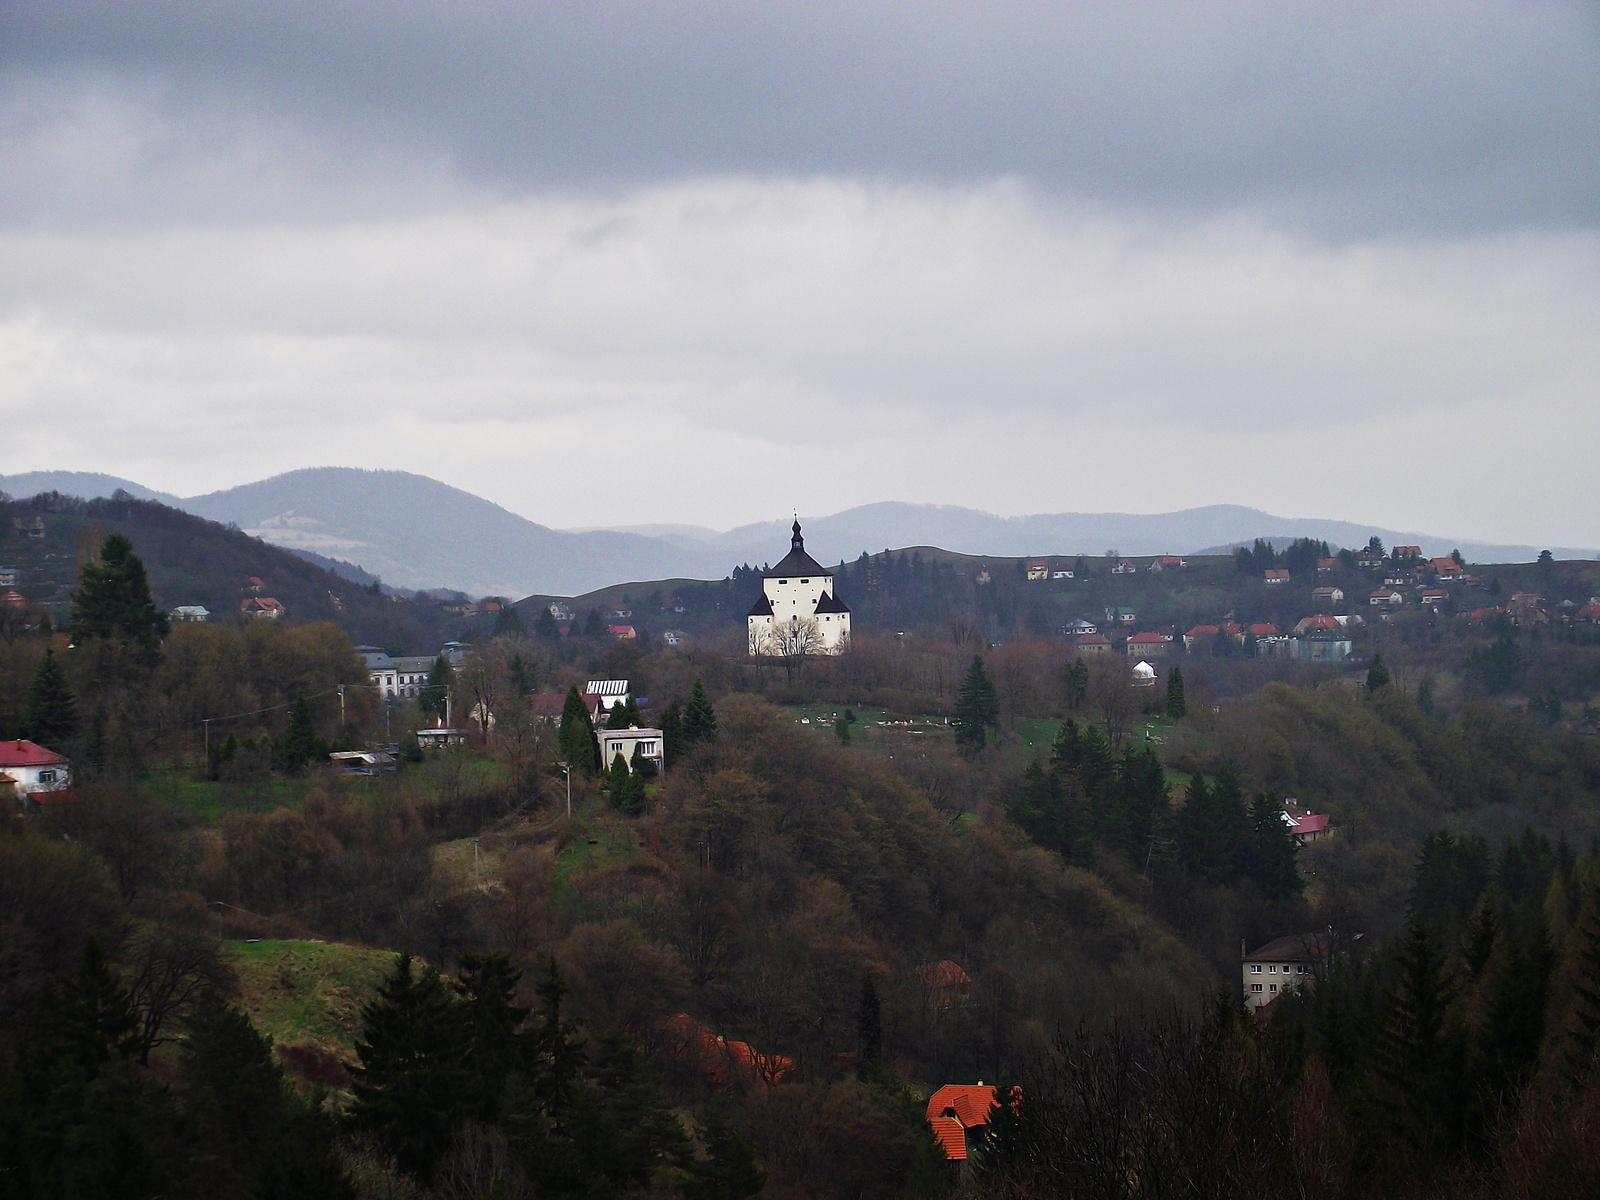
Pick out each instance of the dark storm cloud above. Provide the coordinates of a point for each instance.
(1352, 120)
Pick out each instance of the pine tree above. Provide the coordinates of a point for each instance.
(671, 733)
(1377, 674)
(1582, 1050)
(729, 1170)
(576, 737)
(522, 677)
(487, 985)
(1425, 698)
(112, 601)
(593, 626)
(1177, 706)
(509, 623)
(300, 744)
(1420, 1060)
(437, 689)
(1077, 684)
(841, 730)
(49, 713)
(90, 1022)
(625, 716)
(869, 1027)
(699, 718)
(617, 780)
(1273, 850)
(977, 709)
(546, 627)
(1214, 830)
(412, 1086)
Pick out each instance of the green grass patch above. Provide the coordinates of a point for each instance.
(600, 849)
(311, 993)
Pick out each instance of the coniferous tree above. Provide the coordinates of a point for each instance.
(523, 678)
(1420, 1057)
(1273, 850)
(1177, 705)
(977, 709)
(441, 678)
(496, 1043)
(593, 626)
(49, 713)
(625, 716)
(112, 601)
(300, 744)
(413, 1085)
(1077, 684)
(1425, 698)
(89, 1022)
(671, 733)
(256, 1137)
(509, 623)
(546, 627)
(699, 718)
(729, 1170)
(869, 1027)
(576, 737)
(1377, 674)
(1213, 828)
(1582, 1049)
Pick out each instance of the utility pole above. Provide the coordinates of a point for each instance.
(341, 708)
(207, 723)
(567, 768)
(476, 882)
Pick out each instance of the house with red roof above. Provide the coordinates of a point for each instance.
(1275, 577)
(1327, 566)
(1038, 568)
(262, 608)
(37, 775)
(1125, 567)
(1320, 623)
(721, 1060)
(1446, 569)
(1386, 597)
(1200, 634)
(957, 1113)
(1147, 645)
(1283, 965)
(1092, 643)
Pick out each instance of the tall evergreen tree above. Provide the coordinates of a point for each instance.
(699, 718)
(1581, 1054)
(1377, 674)
(435, 691)
(90, 1022)
(300, 744)
(496, 1042)
(49, 713)
(545, 627)
(576, 737)
(523, 678)
(1177, 705)
(624, 716)
(671, 733)
(1420, 1059)
(729, 1170)
(509, 623)
(1272, 850)
(112, 600)
(869, 1027)
(413, 1085)
(593, 626)
(1213, 828)
(977, 709)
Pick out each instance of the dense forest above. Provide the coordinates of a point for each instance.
(228, 969)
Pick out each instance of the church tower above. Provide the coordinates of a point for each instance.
(798, 613)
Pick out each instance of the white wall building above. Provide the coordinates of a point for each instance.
(649, 743)
(397, 678)
(33, 770)
(798, 613)
(612, 693)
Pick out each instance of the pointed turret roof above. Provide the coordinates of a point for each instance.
(797, 561)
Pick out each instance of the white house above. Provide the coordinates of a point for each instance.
(1284, 964)
(649, 743)
(190, 612)
(611, 693)
(396, 678)
(798, 612)
(34, 771)
(1144, 675)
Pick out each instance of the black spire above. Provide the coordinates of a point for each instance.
(797, 542)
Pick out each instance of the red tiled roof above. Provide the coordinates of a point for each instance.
(718, 1057)
(1203, 631)
(1092, 639)
(1310, 822)
(1147, 639)
(27, 754)
(1264, 629)
(1275, 574)
(952, 1137)
(1305, 947)
(942, 974)
(956, 1108)
(1320, 621)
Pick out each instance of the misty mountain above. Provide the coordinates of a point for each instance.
(418, 533)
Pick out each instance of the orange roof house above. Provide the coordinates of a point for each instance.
(718, 1058)
(958, 1112)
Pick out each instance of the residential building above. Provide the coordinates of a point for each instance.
(396, 678)
(1203, 636)
(1282, 965)
(623, 633)
(1407, 553)
(1275, 577)
(1386, 597)
(440, 737)
(1320, 647)
(37, 775)
(1121, 616)
(1434, 597)
(609, 693)
(1091, 644)
(189, 612)
(1038, 568)
(9, 577)
(1327, 566)
(1307, 826)
(1369, 559)
(1081, 627)
(1319, 623)
(1125, 566)
(363, 762)
(674, 637)
(648, 742)
(262, 608)
(1169, 562)
(799, 611)
(1447, 569)
(1327, 596)
(1147, 645)
(1061, 573)
(560, 613)
(957, 1114)
(1399, 578)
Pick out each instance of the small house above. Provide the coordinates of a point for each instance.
(1091, 644)
(1144, 675)
(648, 743)
(1147, 645)
(1327, 566)
(1407, 553)
(1386, 597)
(1327, 596)
(609, 693)
(1125, 567)
(1282, 965)
(190, 612)
(1276, 577)
(957, 1114)
(37, 775)
(1038, 568)
(261, 608)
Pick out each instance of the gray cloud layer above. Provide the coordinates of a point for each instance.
(1319, 259)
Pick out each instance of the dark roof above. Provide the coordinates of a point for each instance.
(831, 604)
(797, 561)
(762, 607)
(1303, 947)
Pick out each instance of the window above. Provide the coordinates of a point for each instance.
(1255, 968)
(783, 581)
(1255, 987)
(805, 581)
(1273, 969)
(47, 776)
(1273, 987)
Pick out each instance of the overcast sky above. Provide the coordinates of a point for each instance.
(613, 263)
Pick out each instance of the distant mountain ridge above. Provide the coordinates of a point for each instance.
(418, 533)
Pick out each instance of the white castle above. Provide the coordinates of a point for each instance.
(798, 613)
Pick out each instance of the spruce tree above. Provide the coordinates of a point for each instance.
(576, 737)
(1377, 675)
(1582, 1049)
(509, 623)
(1419, 1056)
(435, 691)
(976, 710)
(497, 1045)
(699, 718)
(729, 1170)
(593, 626)
(300, 744)
(522, 677)
(1273, 850)
(671, 733)
(1177, 706)
(49, 713)
(90, 1022)
(112, 601)
(869, 1027)
(546, 627)
(413, 1085)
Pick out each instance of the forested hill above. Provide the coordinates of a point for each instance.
(192, 561)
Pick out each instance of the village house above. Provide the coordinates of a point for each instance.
(1142, 675)
(1407, 553)
(1306, 826)
(1282, 965)
(189, 612)
(608, 693)
(1447, 569)
(1270, 641)
(1317, 623)
(9, 577)
(396, 678)
(1275, 577)
(623, 633)
(1319, 647)
(1061, 573)
(1386, 597)
(1038, 568)
(1147, 645)
(1125, 566)
(261, 608)
(648, 742)
(37, 775)
(1081, 627)
(1327, 566)
(1327, 596)
(1434, 597)
(1206, 634)
(1369, 559)
(1169, 562)
(1121, 616)
(1091, 644)
(799, 611)
(957, 1114)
